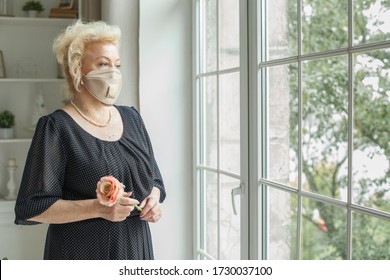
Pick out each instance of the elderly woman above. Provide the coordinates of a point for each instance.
(90, 138)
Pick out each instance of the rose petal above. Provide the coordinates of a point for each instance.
(109, 190)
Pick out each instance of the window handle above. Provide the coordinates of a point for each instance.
(236, 191)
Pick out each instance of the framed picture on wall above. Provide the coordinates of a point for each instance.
(2, 66)
(65, 4)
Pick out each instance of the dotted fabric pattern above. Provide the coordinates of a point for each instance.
(66, 162)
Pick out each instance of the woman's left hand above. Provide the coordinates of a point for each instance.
(151, 207)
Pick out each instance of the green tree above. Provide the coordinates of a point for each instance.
(325, 128)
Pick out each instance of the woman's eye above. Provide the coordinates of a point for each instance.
(118, 66)
(103, 64)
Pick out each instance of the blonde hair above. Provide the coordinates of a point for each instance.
(69, 47)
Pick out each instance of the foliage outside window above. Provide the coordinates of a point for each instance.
(322, 86)
(325, 127)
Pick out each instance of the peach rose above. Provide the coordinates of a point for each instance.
(109, 190)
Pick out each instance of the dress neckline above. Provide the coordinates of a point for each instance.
(91, 135)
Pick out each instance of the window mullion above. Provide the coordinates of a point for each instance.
(350, 129)
(299, 214)
(218, 136)
(252, 175)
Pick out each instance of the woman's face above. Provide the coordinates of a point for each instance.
(100, 56)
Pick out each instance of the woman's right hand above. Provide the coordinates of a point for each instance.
(120, 211)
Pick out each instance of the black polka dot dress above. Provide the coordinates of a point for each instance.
(66, 162)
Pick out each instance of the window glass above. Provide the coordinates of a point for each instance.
(208, 39)
(229, 34)
(229, 85)
(371, 21)
(282, 225)
(209, 183)
(371, 238)
(324, 231)
(283, 124)
(325, 126)
(324, 25)
(371, 149)
(230, 223)
(209, 125)
(281, 29)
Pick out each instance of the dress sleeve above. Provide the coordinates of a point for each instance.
(43, 175)
(157, 178)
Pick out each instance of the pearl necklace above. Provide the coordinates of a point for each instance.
(88, 119)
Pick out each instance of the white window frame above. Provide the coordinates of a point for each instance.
(254, 142)
(263, 183)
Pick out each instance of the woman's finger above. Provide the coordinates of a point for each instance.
(128, 201)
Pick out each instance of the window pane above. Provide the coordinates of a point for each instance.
(209, 119)
(283, 124)
(371, 155)
(281, 29)
(208, 40)
(324, 231)
(229, 34)
(324, 25)
(230, 223)
(229, 95)
(371, 21)
(325, 126)
(370, 238)
(209, 202)
(282, 225)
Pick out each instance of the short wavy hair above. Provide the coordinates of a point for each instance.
(70, 45)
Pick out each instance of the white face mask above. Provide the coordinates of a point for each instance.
(104, 84)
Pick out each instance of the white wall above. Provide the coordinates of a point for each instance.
(165, 104)
(125, 14)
